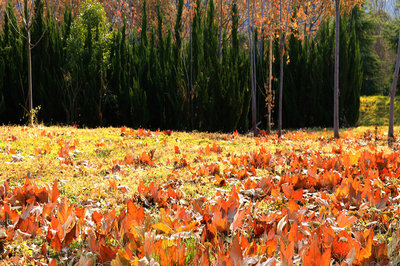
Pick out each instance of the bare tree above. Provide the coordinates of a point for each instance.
(282, 33)
(250, 28)
(220, 31)
(336, 74)
(26, 12)
(393, 94)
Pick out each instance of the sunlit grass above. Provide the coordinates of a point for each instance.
(374, 111)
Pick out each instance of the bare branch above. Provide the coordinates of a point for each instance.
(14, 27)
(34, 45)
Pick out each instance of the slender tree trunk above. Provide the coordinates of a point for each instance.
(282, 48)
(191, 80)
(269, 88)
(220, 32)
(282, 45)
(393, 94)
(254, 98)
(261, 52)
(336, 75)
(30, 96)
(253, 95)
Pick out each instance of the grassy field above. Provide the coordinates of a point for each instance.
(374, 111)
(127, 197)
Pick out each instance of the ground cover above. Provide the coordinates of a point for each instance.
(120, 196)
(374, 111)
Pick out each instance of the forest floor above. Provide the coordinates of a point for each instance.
(374, 111)
(121, 196)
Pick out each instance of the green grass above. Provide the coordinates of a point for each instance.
(374, 111)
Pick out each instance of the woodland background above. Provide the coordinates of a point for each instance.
(185, 65)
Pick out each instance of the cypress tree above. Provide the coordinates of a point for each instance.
(355, 77)
(210, 86)
(14, 91)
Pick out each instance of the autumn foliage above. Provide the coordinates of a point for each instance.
(304, 199)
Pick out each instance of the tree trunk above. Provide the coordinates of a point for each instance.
(269, 88)
(220, 33)
(282, 44)
(393, 94)
(253, 91)
(191, 79)
(28, 45)
(254, 97)
(336, 74)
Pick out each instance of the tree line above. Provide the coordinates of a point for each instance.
(89, 72)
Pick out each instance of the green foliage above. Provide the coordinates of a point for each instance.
(365, 25)
(88, 57)
(308, 84)
(89, 73)
(13, 53)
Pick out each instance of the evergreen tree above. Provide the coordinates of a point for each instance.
(87, 58)
(365, 24)
(14, 92)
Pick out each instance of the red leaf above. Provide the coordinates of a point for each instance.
(107, 254)
(297, 195)
(235, 252)
(54, 192)
(70, 236)
(96, 216)
(53, 262)
(177, 151)
(80, 213)
(43, 249)
(287, 190)
(238, 220)
(342, 245)
(56, 243)
(92, 242)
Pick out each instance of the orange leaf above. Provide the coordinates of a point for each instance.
(113, 184)
(271, 247)
(287, 253)
(47, 209)
(235, 252)
(162, 227)
(293, 206)
(343, 220)
(96, 216)
(342, 245)
(365, 253)
(314, 256)
(294, 234)
(128, 159)
(207, 150)
(297, 195)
